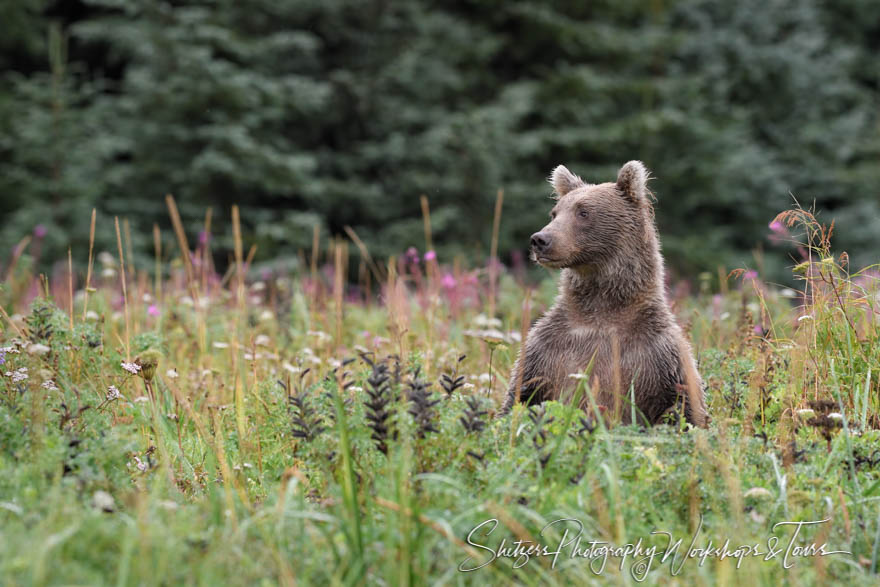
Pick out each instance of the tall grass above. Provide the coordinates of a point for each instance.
(203, 469)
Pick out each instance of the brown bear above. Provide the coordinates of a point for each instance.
(611, 309)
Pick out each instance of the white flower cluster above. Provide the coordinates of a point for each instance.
(18, 375)
(132, 368)
(113, 393)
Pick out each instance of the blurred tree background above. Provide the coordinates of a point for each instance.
(344, 112)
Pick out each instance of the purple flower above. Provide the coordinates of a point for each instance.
(759, 329)
(448, 281)
(204, 237)
(153, 310)
(40, 231)
(777, 227)
(750, 274)
(430, 256)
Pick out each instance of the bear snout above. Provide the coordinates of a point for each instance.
(540, 242)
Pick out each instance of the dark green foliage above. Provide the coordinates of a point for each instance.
(422, 405)
(472, 418)
(379, 402)
(306, 422)
(343, 113)
(450, 383)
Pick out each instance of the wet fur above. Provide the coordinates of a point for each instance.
(611, 305)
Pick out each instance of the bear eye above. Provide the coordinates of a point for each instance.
(582, 213)
(552, 214)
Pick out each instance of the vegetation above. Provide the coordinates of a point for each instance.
(342, 113)
(168, 424)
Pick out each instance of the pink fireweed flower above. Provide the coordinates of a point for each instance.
(153, 310)
(777, 227)
(430, 256)
(750, 274)
(412, 255)
(448, 281)
(40, 231)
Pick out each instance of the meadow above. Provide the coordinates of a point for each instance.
(172, 424)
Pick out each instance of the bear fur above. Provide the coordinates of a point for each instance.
(611, 309)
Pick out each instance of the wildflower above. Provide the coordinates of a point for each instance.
(49, 385)
(108, 272)
(836, 416)
(40, 231)
(412, 255)
(153, 310)
(172, 374)
(113, 393)
(101, 500)
(319, 334)
(430, 256)
(221, 345)
(132, 368)
(491, 336)
(38, 349)
(806, 413)
(3, 351)
(141, 399)
(106, 259)
(148, 299)
(266, 316)
(18, 375)
(757, 492)
(92, 315)
(484, 321)
(777, 227)
(262, 340)
(805, 317)
(148, 361)
(448, 281)
(751, 274)
(141, 466)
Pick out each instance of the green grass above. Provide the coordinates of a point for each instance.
(212, 474)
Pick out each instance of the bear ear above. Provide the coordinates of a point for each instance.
(563, 180)
(632, 180)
